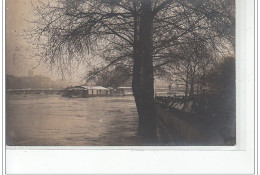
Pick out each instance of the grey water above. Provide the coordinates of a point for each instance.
(53, 120)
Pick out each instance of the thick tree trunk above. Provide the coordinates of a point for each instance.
(136, 84)
(136, 81)
(147, 119)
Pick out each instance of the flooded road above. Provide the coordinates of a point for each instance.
(52, 120)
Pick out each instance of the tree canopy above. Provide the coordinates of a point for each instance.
(66, 32)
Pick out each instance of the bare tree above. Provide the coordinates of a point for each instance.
(114, 77)
(144, 33)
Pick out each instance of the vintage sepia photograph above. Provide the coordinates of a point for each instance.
(120, 72)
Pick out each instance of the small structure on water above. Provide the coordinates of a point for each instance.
(92, 91)
(97, 90)
(124, 91)
(85, 91)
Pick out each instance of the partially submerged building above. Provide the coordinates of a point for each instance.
(91, 91)
(124, 91)
(96, 90)
(86, 91)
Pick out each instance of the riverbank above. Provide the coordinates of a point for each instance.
(209, 121)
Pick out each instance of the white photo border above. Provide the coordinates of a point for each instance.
(155, 160)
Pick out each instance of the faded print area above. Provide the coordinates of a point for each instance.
(120, 73)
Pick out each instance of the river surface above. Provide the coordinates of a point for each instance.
(52, 120)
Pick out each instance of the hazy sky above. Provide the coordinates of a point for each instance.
(19, 57)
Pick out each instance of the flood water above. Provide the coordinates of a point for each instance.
(51, 120)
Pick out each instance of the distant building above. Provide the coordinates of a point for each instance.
(34, 82)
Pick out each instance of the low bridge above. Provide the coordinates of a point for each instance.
(34, 91)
